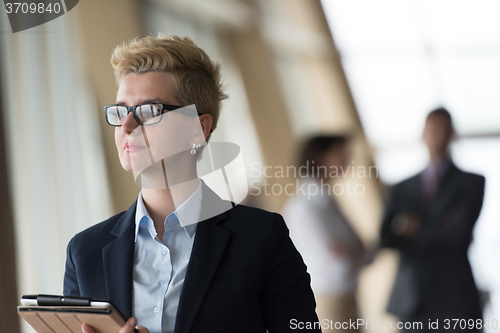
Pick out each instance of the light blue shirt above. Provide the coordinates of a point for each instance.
(160, 267)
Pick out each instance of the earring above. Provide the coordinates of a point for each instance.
(195, 148)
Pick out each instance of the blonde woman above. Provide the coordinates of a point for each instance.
(181, 259)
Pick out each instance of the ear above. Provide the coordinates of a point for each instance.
(206, 123)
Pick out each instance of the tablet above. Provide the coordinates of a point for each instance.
(60, 314)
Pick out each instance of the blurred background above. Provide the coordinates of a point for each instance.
(293, 68)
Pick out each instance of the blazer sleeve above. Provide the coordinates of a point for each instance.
(450, 230)
(394, 203)
(455, 231)
(71, 287)
(287, 297)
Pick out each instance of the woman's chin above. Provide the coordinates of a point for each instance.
(136, 165)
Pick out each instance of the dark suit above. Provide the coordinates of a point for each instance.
(434, 279)
(244, 274)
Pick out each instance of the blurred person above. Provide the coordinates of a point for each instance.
(429, 219)
(331, 249)
(181, 259)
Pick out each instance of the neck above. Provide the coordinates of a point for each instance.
(435, 159)
(163, 202)
(164, 188)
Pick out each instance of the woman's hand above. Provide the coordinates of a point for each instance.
(127, 328)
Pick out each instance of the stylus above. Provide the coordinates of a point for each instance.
(52, 300)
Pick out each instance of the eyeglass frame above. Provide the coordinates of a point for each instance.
(132, 109)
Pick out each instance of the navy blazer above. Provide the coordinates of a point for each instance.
(244, 274)
(434, 279)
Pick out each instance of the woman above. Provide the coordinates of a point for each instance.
(181, 258)
(330, 247)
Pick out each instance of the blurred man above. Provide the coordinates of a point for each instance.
(429, 219)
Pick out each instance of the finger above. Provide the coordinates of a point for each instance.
(87, 329)
(129, 326)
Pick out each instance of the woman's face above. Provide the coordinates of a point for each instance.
(141, 146)
(335, 157)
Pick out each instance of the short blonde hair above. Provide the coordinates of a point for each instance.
(197, 78)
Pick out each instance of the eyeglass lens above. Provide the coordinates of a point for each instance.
(147, 114)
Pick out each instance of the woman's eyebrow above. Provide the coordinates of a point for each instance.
(158, 101)
(155, 101)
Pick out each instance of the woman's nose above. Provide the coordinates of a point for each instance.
(130, 124)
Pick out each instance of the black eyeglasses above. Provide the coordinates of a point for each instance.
(144, 114)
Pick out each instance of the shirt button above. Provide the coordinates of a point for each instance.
(164, 252)
(157, 309)
(162, 282)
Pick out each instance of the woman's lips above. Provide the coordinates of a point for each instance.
(131, 147)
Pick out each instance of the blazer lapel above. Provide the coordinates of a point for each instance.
(446, 189)
(414, 190)
(208, 248)
(118, 260)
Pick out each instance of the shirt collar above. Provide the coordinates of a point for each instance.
(438, 168)
(188, 213)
